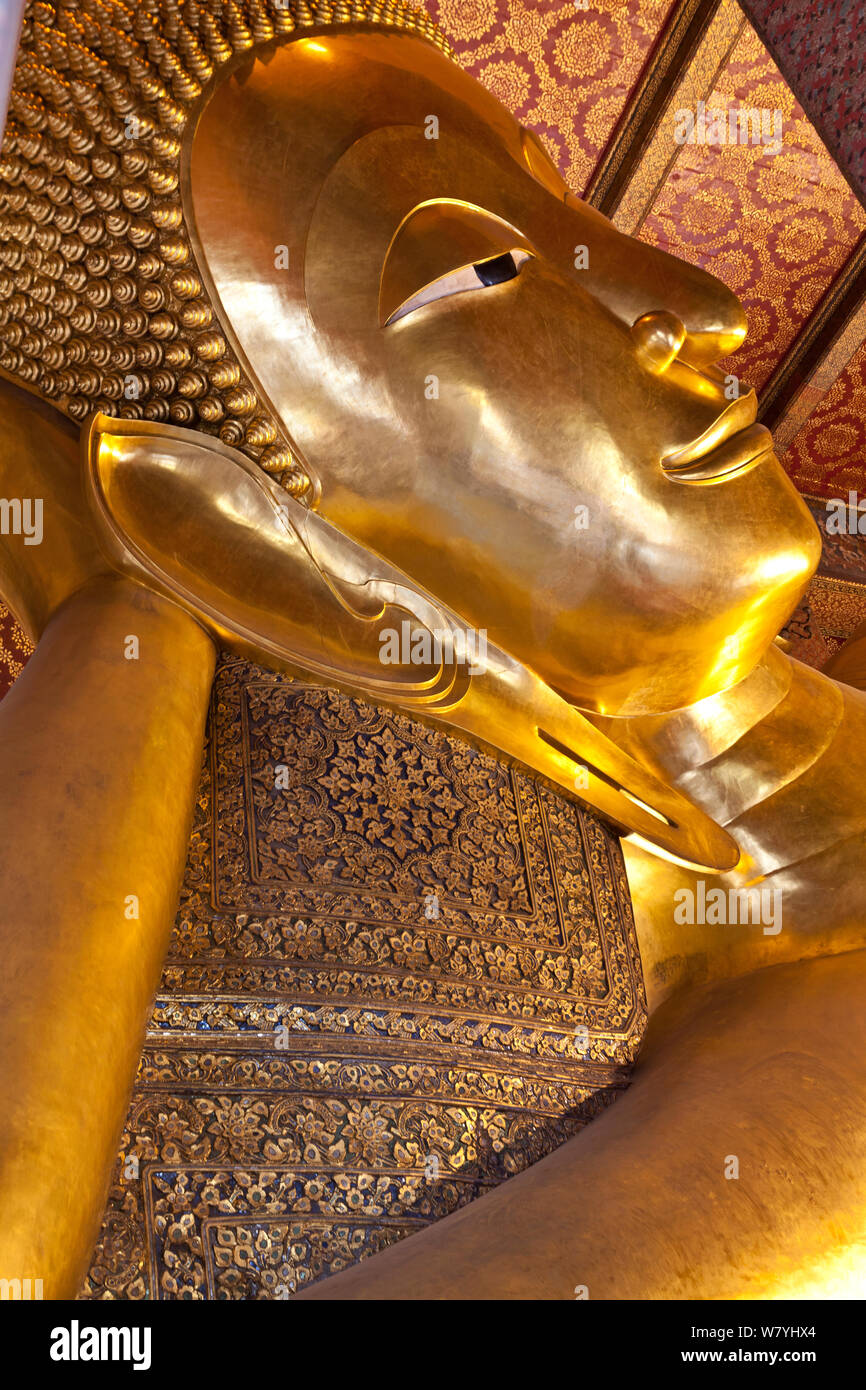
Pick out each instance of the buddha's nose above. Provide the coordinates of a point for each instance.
(658, 337)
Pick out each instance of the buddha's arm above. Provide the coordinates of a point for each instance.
(776, 761)
(765, 1070)
(100, 758)
(753, 1058)
(100, 755)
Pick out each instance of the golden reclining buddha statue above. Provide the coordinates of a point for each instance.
(305, 341)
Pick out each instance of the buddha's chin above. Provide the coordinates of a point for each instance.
(693, 672)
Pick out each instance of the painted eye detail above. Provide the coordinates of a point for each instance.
(497, 269)
(494, 270)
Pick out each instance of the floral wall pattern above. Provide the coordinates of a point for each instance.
(396, 979)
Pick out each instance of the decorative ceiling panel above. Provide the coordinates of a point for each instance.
(776, 227)
(827, 457)
(564, 70)
(821, 47)
(691, 82)
(836, 356)
(835, 603)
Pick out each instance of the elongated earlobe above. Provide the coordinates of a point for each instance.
(200, 523)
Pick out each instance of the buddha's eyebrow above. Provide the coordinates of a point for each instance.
(455, 209)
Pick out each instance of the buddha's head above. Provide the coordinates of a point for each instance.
(491, 386)
(320, 236)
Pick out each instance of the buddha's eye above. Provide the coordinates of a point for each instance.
(494, 270)
(498, 268)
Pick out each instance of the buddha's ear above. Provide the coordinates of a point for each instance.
(203, 525)
(200, 523)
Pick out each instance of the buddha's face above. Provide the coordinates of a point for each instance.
(495, 389)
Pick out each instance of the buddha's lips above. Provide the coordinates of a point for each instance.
(735, 455)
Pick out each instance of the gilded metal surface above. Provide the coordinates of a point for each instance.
(752, 1069)
(447, 430)
(40, 460)
(411, 1039)
(487, 470)
(545, 397)
(271, 579)
(784, 782)
(849, 662)
(100, 296)
(90, 874)
(767, 1069)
